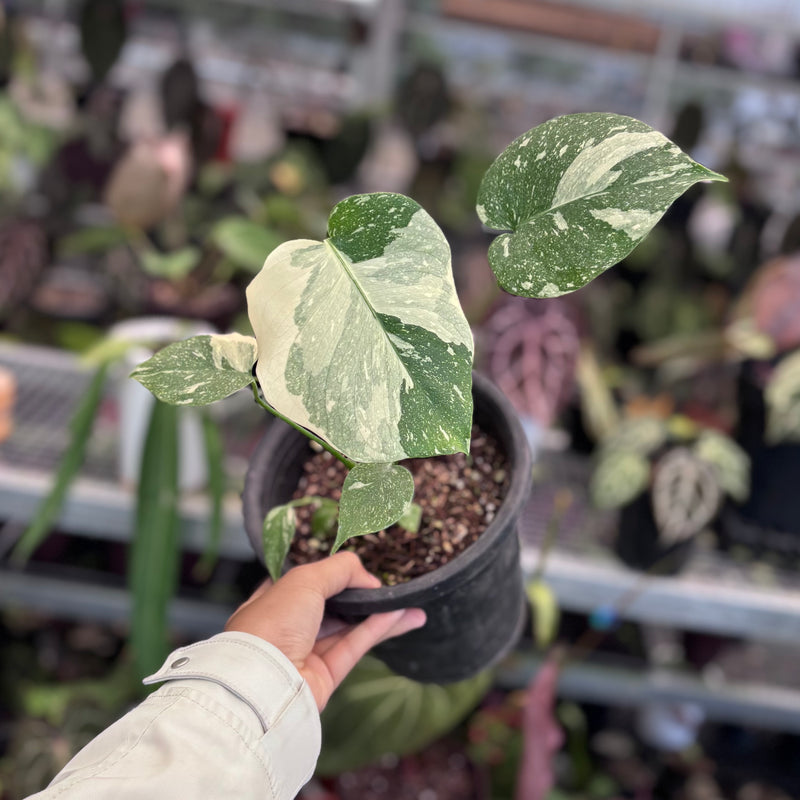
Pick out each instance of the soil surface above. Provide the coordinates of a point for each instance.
(459, 496)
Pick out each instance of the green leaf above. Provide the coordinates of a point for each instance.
(172, 266)
(153, 571)
(619, 477)
(324, 519)
(729, 460)
(80, 427)
(394, 715)
(410, 521)
(106, 351)
(91, 240)
(545, 613)
(361, 338)
(246, 243)
(278, 532)
(577, 194)
(199, 370)
(373, 497)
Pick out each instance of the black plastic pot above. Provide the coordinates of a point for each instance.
(769, 520)
(475, 604)
(639, 544)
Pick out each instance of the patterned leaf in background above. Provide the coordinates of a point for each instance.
(730, 461)
(641, 435)
(374, 496)
(619, 477)
(375, 712)
(361, 337)
(577, 194)
(199, 370)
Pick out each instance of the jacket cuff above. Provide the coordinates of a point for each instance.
(253, 670)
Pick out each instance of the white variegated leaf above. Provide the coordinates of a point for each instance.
(200, 370)
(686, 495)
(577, 194)
(782, 397)
(640, 435)
(361, 337)
(729, 460)
(374, 496)
(619, 477)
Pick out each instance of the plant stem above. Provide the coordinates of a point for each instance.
(314, 438)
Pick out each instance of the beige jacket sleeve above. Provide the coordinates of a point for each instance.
(234, 719)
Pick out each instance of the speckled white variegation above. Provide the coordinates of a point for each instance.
(361, 338)
(199, 370)
(577, 194)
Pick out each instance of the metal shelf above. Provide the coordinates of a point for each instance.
(722, 701)
(714, 594)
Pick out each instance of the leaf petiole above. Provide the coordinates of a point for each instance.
(314, 438)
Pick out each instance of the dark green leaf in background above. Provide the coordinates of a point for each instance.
(80, 428)
(155, 546)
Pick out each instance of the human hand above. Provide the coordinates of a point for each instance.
(289, 615)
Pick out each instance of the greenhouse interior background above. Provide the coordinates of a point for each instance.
(154, 152)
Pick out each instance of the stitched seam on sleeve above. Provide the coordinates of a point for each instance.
(252, 749)
(106, 765)
(176, 698)
(292, 678)
(215, 679)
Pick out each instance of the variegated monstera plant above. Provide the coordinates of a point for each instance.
(360, 341)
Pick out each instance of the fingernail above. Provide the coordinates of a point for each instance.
(416, 617)
(375, 581)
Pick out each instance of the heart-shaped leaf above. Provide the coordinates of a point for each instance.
(577, 194)
(278, 532)
(686, 495)
(200, 370)
(361, 337)
(374, 496)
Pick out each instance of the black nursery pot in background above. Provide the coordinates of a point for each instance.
(769, 520)
(475, 604)
(639, 543)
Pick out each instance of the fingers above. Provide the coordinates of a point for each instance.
(342, 651)
(332, 575)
